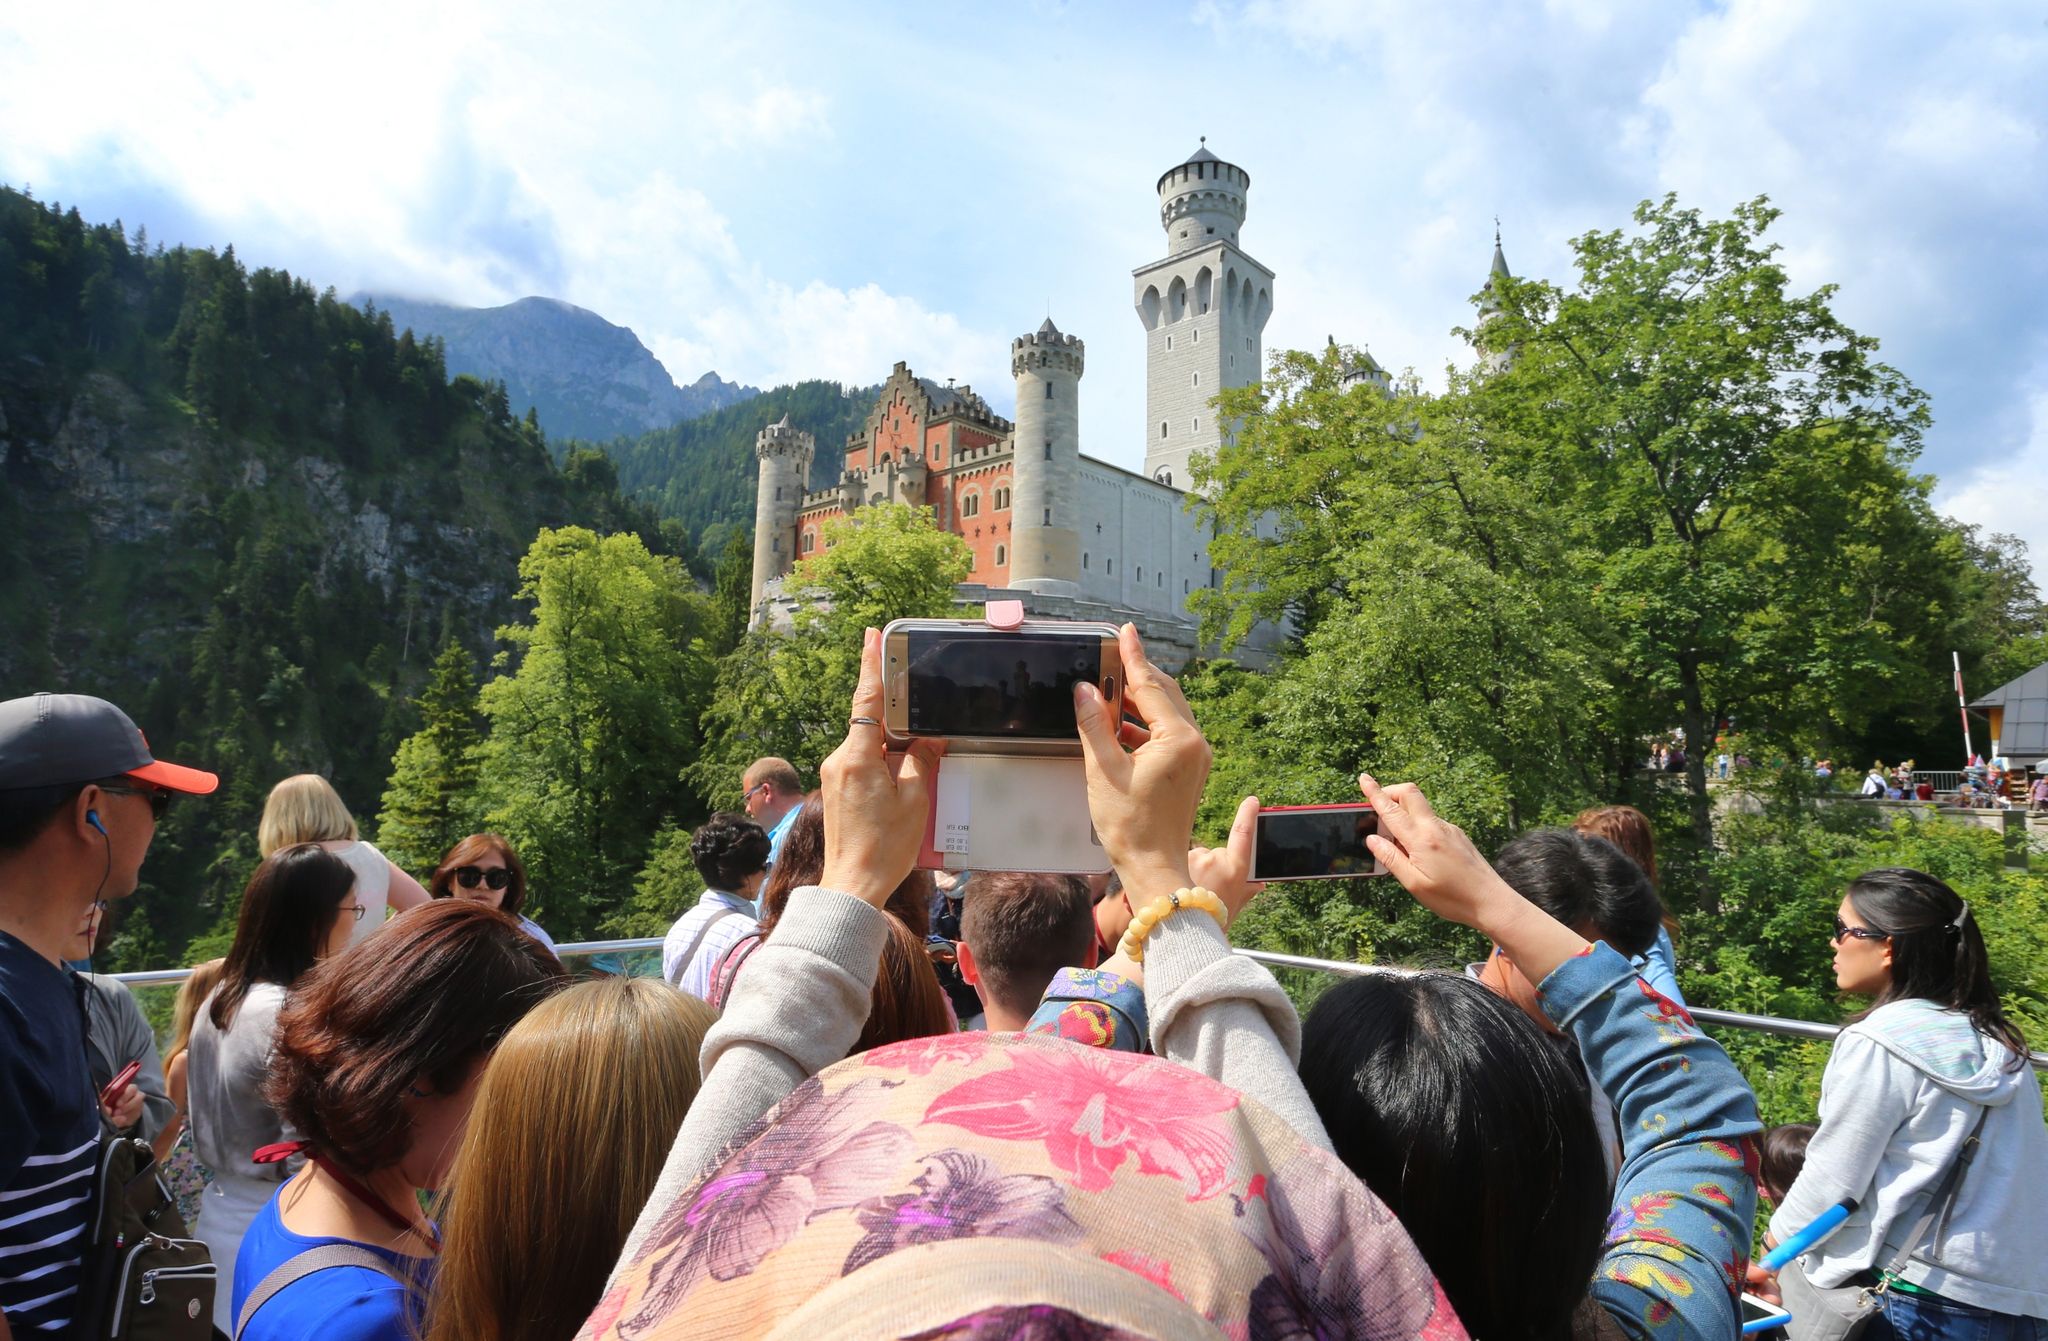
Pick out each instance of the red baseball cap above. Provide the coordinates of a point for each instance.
(50, 740)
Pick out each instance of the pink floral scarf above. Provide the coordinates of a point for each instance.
(985, 1185)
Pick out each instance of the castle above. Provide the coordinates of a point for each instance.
(1072, 536)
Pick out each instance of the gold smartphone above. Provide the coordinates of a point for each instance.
(996, 691)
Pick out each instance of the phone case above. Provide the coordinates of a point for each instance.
(998, 812)
(893, 689)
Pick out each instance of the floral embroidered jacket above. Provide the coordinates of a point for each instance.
(1678, 1236)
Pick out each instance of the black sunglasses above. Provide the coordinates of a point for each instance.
(469, 877)
(1860, 933)
(159, 799)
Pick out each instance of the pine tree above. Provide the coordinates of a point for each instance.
(428, 802)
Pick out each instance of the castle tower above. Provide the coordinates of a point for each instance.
(785, 456)
(1489, 304)
(1046, 461)
(1204, 308)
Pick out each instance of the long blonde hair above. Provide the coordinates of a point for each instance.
(304, 808)
(192, 994)
(573, 1119)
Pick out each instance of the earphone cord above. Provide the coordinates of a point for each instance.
(106, 874)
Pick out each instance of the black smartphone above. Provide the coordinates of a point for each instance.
(1314, 843)
(967, 682)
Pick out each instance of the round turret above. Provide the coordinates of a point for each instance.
(1202, 201)
(784, 452)
(1045, 461)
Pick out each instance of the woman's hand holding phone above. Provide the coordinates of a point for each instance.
(875, 810)
(1226, 871)
(1437, 863)
(1142, 800)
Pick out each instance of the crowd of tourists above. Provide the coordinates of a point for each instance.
(867, 1100)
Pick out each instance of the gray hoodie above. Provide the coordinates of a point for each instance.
(1903, 1088)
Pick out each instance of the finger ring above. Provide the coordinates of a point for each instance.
(863, 721)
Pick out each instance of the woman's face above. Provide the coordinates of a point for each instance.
(1863, 963)
(343, 929)
(480, 870)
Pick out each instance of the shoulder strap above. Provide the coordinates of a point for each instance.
(325, 1257)
(728, 968)
(684, 960)
(1944, 1199)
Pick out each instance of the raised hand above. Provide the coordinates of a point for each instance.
(1143, 799)
(1437, 863)
(875, 810)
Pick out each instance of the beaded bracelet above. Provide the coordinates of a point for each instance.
(1157, 911)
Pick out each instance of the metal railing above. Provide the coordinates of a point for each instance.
(1763, 1024)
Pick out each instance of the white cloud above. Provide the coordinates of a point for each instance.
(2010, 492)
(772, 115)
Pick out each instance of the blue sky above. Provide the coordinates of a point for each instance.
(778, 191)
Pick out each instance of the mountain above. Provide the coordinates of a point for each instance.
(584, 376)
(252, 515)
(701, 472)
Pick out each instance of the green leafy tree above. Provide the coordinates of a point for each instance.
(430, 800)
(785, 693)
(595, 711)
(1732, 457)
(732, 593)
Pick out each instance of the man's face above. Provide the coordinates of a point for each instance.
(128, 810)
(760, 796)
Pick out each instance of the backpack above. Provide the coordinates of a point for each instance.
(146, 1277)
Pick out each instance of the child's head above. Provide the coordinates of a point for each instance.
(1784, 1156)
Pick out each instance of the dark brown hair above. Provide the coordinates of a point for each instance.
(1022, 929)
(288, 910)
(426, 998)
(471, 850)
(1938, 950)
(1784, 1155)
(908, 1001)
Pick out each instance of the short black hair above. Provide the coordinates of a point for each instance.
(1451, 1105)
(728, 848)
(1584, 881)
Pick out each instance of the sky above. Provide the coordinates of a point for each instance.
(780, 191)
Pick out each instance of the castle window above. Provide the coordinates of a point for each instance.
(1196, 382)
(1159, 579)
(1198, 424)
(778, 545)
(970, 506)
(1205, 307)
(1048, 517)
(1084, 558)
(1183, 586)
(1002, 499)
(999, 556)
(1048, 449)
(810, 541)
(1233, 360)
(1169, 342)
(1162, 428)
(1164, 476)
(1109, 565)
(1141, 573)
(778, 493)
(1048, 390)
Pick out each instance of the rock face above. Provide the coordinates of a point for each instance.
(584, 376)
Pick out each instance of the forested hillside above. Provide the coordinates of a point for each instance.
(700, 473)
(253, 515)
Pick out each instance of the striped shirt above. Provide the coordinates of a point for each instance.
(49, 1140)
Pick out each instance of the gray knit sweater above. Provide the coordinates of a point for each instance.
(801, 1003)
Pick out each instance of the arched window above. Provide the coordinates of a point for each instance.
(1084, 558)
(1141, 572)
(1048, 390)
(970, 506)
(1002, 499)
(1048, 518)
(1196, 382)
(1162, 428)
(1109, 566)
(810, 541)
(1164, 476)
(1159, 579)
(999, 556)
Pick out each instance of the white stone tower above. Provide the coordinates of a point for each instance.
(1489, 303)
(785, 456)
(1204, 308)
(1046, 461)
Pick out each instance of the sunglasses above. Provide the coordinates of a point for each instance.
(1860, 933)
(159, 799)
(469, 877)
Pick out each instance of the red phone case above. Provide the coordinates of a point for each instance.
(120, 1082)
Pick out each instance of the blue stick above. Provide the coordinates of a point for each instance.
(1823, 1225)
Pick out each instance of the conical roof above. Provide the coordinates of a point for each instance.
(1048, 328)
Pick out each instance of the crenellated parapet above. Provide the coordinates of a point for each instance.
(1048, 348)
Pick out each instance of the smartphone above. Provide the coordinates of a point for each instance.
(998, 691)
(112, 1092)
(1760, 1315)
(1314, 842)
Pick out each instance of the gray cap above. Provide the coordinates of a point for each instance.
(50, 740)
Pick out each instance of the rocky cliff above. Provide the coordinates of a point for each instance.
(585, 377)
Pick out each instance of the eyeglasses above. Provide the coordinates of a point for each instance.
(355, 908)
(748, 794)
(159, 799)
(1860, 933)
(469, 877)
